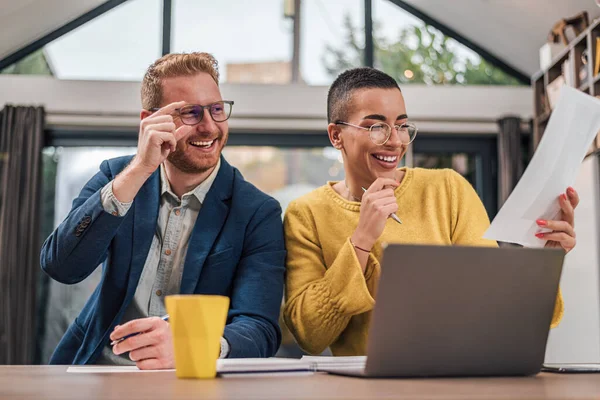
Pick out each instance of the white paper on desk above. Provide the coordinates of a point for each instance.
(262, 365)
(571, 129)
(224, 366)
(341, 362)
(112, 369)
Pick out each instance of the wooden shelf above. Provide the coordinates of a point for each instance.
(586, 41)
(560, 57)
(582, 36)
(544, 117)
(594, 24)
(584, 87)
(537, 76)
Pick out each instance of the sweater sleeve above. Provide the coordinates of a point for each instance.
(470, 221)
(469, 217)
(320, 299)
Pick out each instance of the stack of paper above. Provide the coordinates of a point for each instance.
(337, 363)
(264, 365)
(248, 365)
(110, 369)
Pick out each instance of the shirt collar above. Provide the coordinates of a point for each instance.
(199, 191)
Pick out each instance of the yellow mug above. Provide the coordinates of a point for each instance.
(197, 324)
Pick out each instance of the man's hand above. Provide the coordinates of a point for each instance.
(152, 348)
(563, 232)
(157, 138)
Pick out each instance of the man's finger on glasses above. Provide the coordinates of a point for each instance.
(181, 132)
(159, 119)
(168, 109)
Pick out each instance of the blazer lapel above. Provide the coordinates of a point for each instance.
(145, 218)
(211, 218)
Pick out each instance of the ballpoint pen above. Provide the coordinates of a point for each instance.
(164, 318)
(392, 215)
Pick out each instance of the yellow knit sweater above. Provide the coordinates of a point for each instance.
(328, 299)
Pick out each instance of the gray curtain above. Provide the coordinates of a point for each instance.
(510, 156)
(21, 141)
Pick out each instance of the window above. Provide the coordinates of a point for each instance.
(34, 64)
(286, 174)
(332, 39)
(474, 157)
(251, 41)
(117, 45)
(463, 163)
(413, 52)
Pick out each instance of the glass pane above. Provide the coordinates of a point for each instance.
(463, 163)
(332, 39)
(413, 52)
(66, 171)
(251, 42)
(118, 45)
(34, 64)
(286, 173)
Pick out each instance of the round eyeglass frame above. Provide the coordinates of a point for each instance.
(389, 131)
(201, 111)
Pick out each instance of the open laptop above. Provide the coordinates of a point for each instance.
(460, 311)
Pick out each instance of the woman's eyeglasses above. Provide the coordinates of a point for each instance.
(380, 132)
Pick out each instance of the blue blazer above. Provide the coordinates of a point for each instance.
(236, 249)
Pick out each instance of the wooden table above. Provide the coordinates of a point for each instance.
(53, 382)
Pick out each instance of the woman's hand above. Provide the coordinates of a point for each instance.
(378, 202)
(563, 232)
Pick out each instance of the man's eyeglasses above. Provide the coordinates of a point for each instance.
(192, 114)
(380, 132)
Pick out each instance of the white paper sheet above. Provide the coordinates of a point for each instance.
(224, 366)
(324, 360)
(254, 365)
(336, 363)
(572, 127)
(105, 369)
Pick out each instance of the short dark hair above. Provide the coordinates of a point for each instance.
(339, 96)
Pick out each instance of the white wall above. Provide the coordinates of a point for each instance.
(281, 108)
(577, 338)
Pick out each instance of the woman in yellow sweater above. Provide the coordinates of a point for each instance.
(334, 234)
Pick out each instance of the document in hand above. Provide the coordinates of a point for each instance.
(572, 127)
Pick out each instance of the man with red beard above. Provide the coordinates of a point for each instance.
(175, 218)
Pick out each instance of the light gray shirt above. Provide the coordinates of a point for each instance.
(163, 269)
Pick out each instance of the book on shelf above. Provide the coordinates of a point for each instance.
(553, 90)
(597, 61)
(583, 74)
(544, 106)
(583, 69)
(568, 70)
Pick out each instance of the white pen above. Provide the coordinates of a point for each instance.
(164, 318)
(392, 215)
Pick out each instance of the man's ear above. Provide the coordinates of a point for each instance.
(145, 114)
(335, 137)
